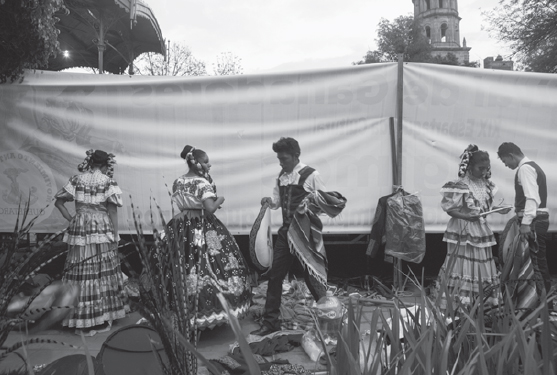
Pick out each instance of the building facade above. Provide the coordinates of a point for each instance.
(440, 24)
(498, 63)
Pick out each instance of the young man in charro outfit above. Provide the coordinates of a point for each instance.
(296, 180)
(530, 201)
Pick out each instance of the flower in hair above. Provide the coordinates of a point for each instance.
(111, 162)
(189, 156)
(464, 161)
(85, 165)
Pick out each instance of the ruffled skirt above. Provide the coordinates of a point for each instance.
(469, 264)
(95, 269)
(213, 264)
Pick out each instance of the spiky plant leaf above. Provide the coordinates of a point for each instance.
(27, 342)
(188, 345)
(443, 364)
(348, 344)
(90, 367)
(244, 346)
(545, 340)
(481, 362)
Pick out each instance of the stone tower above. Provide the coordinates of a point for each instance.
(440, 24)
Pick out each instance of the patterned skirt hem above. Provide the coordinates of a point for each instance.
(215, 319)
(88, 323)
(466, 242)
(91, 239)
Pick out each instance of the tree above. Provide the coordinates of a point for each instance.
(371, 57)
(179, 61)
(530, 28)
(448, 59)
(28, 35)
(227, 64)
(402, 36)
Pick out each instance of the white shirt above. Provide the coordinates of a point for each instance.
(528, 179)
(313, 182)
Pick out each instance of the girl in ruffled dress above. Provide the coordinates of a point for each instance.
(469, 264)
(92, 262)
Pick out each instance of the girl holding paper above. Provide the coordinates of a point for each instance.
(469, 264)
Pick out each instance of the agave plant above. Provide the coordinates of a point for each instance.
(425, 339)
(163, 294)
(20, 262)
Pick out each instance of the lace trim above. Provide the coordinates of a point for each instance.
(89, 239)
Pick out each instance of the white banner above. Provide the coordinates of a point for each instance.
(446, 108)
(340, 118)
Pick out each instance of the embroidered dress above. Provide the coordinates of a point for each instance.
(469, 264)
(213, 259)
(92, 262)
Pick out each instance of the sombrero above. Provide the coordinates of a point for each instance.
(261, 241)
(131, 350)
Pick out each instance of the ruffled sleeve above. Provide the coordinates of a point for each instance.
(190, 193)
(95, 188)
(454, 195)
(205, 190)
(68, 191)
(113, 193)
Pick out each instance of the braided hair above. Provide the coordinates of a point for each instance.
(191, 155)
(472, 155)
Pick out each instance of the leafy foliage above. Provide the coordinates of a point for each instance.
(401, 36)
(530, 27)
(404, 36)
(452, 59)
(227, 64)
(449, 59)
(28, 35)
(179, 61)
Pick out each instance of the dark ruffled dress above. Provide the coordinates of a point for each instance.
(213, 260)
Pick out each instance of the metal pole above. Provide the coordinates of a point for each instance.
(399, 98)
(100, 43)
(393, 150)
(397, 262)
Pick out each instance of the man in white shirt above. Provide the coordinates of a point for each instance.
(295, 181)
(530, 201)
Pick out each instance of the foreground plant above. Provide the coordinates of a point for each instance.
(163, 297)
(18, 263)
(424, 339)
(163, 303)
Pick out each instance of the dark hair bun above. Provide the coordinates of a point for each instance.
(185, 151)
(472, 148)
(99, 157)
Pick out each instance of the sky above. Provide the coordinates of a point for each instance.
(286, 35)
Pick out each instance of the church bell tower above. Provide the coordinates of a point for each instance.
(439, 21)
